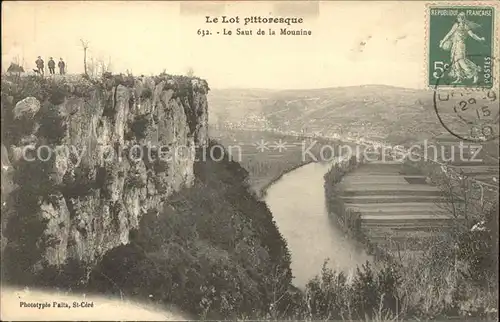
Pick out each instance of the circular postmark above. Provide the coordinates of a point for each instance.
(469, 109)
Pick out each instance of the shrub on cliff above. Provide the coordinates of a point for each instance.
(478, 247)
(50, 92)
(138, 127)
(473, 237)
(52, 124)
(25, 225)
(214, 250)
(146, 93)
(125, 80)
(43, 89)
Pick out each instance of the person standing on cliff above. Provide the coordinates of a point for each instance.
(61, 66)
(40, 65)
(52, 66)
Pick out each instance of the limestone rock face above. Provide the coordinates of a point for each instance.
(121, 152)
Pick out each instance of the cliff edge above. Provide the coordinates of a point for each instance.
(83, 160)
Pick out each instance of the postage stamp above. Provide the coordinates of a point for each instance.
(461, 42)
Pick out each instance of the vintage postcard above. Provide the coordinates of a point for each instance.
(250, 160)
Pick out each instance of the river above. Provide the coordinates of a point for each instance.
(297, 202)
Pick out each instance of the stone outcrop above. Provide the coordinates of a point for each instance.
(116, 152)
(27, 107)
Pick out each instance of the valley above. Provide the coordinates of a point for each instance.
(268, 155)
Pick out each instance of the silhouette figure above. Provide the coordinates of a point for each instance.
(52, 66)
(40, 65)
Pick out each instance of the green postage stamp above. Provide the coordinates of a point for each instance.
(461, 42)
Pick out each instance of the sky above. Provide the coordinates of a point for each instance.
(352, 42)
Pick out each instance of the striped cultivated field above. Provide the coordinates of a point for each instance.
(400, 209)
(397, 210)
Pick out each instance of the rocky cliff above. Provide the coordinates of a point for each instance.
(88, 158)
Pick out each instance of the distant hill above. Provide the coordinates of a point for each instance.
(392, 114)
(235, 104)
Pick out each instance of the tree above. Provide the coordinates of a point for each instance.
(98, 66)
(85, 45)
(91, 67)
(472, 237)
(190, 72)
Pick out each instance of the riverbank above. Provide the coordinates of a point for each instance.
(348, 220)
(269, 181)
(301, 216)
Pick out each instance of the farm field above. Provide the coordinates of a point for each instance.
(400, 205)
(397, 210)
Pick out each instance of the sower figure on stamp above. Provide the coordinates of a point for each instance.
(461, 67)
(52, 66)
(61, 66)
